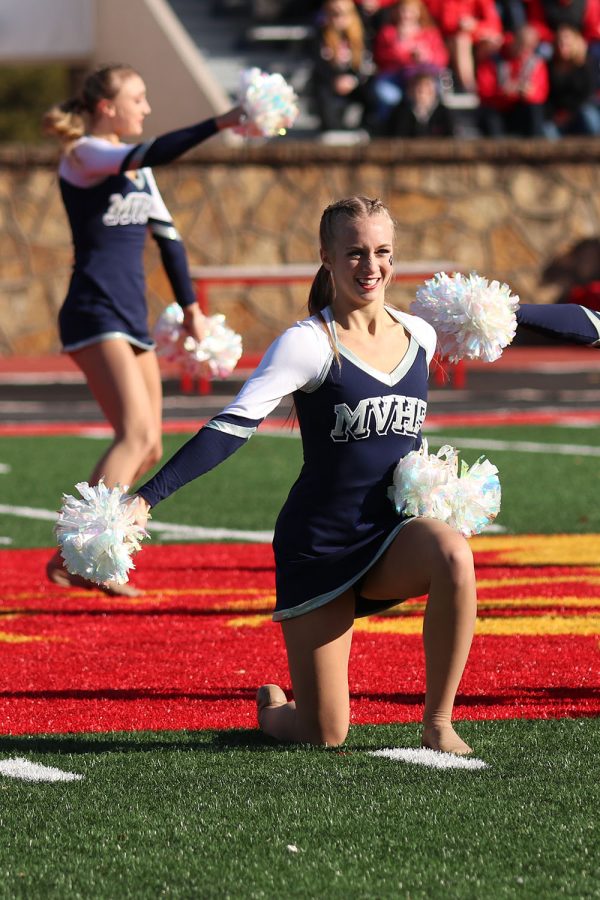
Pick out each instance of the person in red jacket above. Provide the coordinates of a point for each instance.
(409, 44)
(513, 88)
(465, 24)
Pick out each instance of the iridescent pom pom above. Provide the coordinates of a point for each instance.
(432, 487)
(423, 483)
(270, 103)
(476, 499)
(473, 318)
(215, 356)
(98, 535)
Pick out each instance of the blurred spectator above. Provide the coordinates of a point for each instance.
(374, 14)
(282, 11)
(512, 14)
(421, 113)
(464, 24)
(547, 15)
(342, 66)
(410, 43)
(513, 87)
(571, 107)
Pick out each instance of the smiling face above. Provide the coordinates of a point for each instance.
(126, 111)
(360, 259)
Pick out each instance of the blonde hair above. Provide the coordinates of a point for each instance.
(425, 18)
(68, 121)
(322, 290)
(355, 36)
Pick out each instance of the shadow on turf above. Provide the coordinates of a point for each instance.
(246, 739)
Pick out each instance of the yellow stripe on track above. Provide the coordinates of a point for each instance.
(540, 549)
(534, 626)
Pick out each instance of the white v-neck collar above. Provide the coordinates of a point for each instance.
(387, 378)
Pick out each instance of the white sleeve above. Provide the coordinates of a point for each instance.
(297, 360)
(93, 159)
(158, 209)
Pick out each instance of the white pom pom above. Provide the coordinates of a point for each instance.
(422, 483)
(270, 103)
(429, 486)
(98, 535)
(169, 332)
(476, 499)
(215, 356)
(473, 318)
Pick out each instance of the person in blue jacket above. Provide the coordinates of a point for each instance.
(112, 201)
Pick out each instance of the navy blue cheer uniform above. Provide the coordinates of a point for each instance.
(356, 423)
(110, 213)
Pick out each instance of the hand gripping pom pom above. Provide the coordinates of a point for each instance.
(98, 535)
(473, 319)
(269, 102)
(215, 356)
(430, 486)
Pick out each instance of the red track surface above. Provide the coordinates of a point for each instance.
(191, 652)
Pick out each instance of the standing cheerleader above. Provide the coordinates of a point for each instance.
(111, 200)
(358, 372)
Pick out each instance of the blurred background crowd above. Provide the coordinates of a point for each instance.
(429, 68)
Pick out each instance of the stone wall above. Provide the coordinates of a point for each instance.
(527, 213)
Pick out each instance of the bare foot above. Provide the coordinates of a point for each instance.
(58, 574)
(444, 739)
(269, 696)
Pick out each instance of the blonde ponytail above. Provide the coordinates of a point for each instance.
(65, 121)
(322, 291)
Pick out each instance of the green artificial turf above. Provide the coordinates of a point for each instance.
(218, 814)
(542, 492)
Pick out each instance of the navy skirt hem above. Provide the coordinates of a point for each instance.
(363, 606)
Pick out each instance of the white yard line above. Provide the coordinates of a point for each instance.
(25, 770)
(436, 438)
(171, 532)
(433, 759)
(515, 446)
(167, 530)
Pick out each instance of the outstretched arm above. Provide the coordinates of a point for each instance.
(94, 158)
(169, 146)
(561, 320)
(296, 360)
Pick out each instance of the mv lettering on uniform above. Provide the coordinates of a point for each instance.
(131, 209)
(403, 415)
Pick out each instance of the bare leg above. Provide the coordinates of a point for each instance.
(126, 383)
(318, 647)
(428, 557)
(150, 371)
